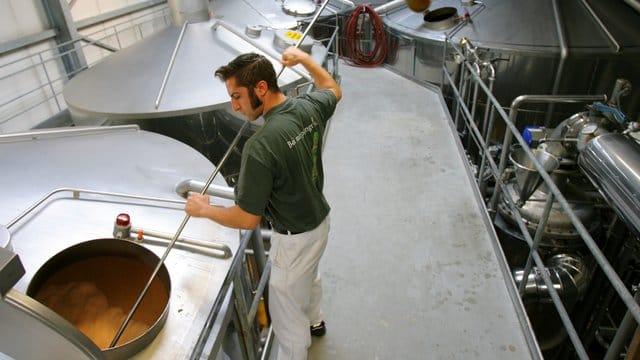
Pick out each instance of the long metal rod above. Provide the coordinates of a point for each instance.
(173, 59)
(304, 34)
(602, 25)
(175, 237)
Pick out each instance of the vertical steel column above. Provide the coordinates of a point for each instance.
(60, 19)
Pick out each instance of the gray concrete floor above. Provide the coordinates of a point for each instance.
(412, 269)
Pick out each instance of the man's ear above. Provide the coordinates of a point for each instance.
(261, 87)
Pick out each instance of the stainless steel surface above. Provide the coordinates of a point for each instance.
(300, 42)
(267, 13)
(120, 160)
(253, 31)
(612, 163)
(578, 42)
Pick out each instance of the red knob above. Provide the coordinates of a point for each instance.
(123, 219)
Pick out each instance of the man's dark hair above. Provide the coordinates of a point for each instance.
(248, 69)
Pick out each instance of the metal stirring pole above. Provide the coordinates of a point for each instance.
(175, 238)
(204, 190)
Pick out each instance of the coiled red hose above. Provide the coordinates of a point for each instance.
(354, 39)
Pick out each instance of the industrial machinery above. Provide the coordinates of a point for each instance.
(593, 158)
(564, 203)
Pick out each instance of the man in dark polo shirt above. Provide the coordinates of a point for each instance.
(281, 178)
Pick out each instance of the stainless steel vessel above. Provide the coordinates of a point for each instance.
(73, 194)
(550, 47)
(93, 284)
(170, 74)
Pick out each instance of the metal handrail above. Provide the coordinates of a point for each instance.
(228, 284)
(497, 172)
(39, 62)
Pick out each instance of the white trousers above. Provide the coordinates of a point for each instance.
(295, 289)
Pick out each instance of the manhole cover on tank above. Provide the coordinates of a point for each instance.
(299, 7)
(441, 18)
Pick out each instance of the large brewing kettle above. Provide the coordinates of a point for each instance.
(108, 274)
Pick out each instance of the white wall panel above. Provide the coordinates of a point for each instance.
(20, 18)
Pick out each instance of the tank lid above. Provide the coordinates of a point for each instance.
(299, 7)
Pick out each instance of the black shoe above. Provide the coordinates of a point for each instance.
(318, 330)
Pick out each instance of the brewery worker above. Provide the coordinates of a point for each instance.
(281, 178)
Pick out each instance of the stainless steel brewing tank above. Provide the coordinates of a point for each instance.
(522, 41)
(128, 85)
(113, 160)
